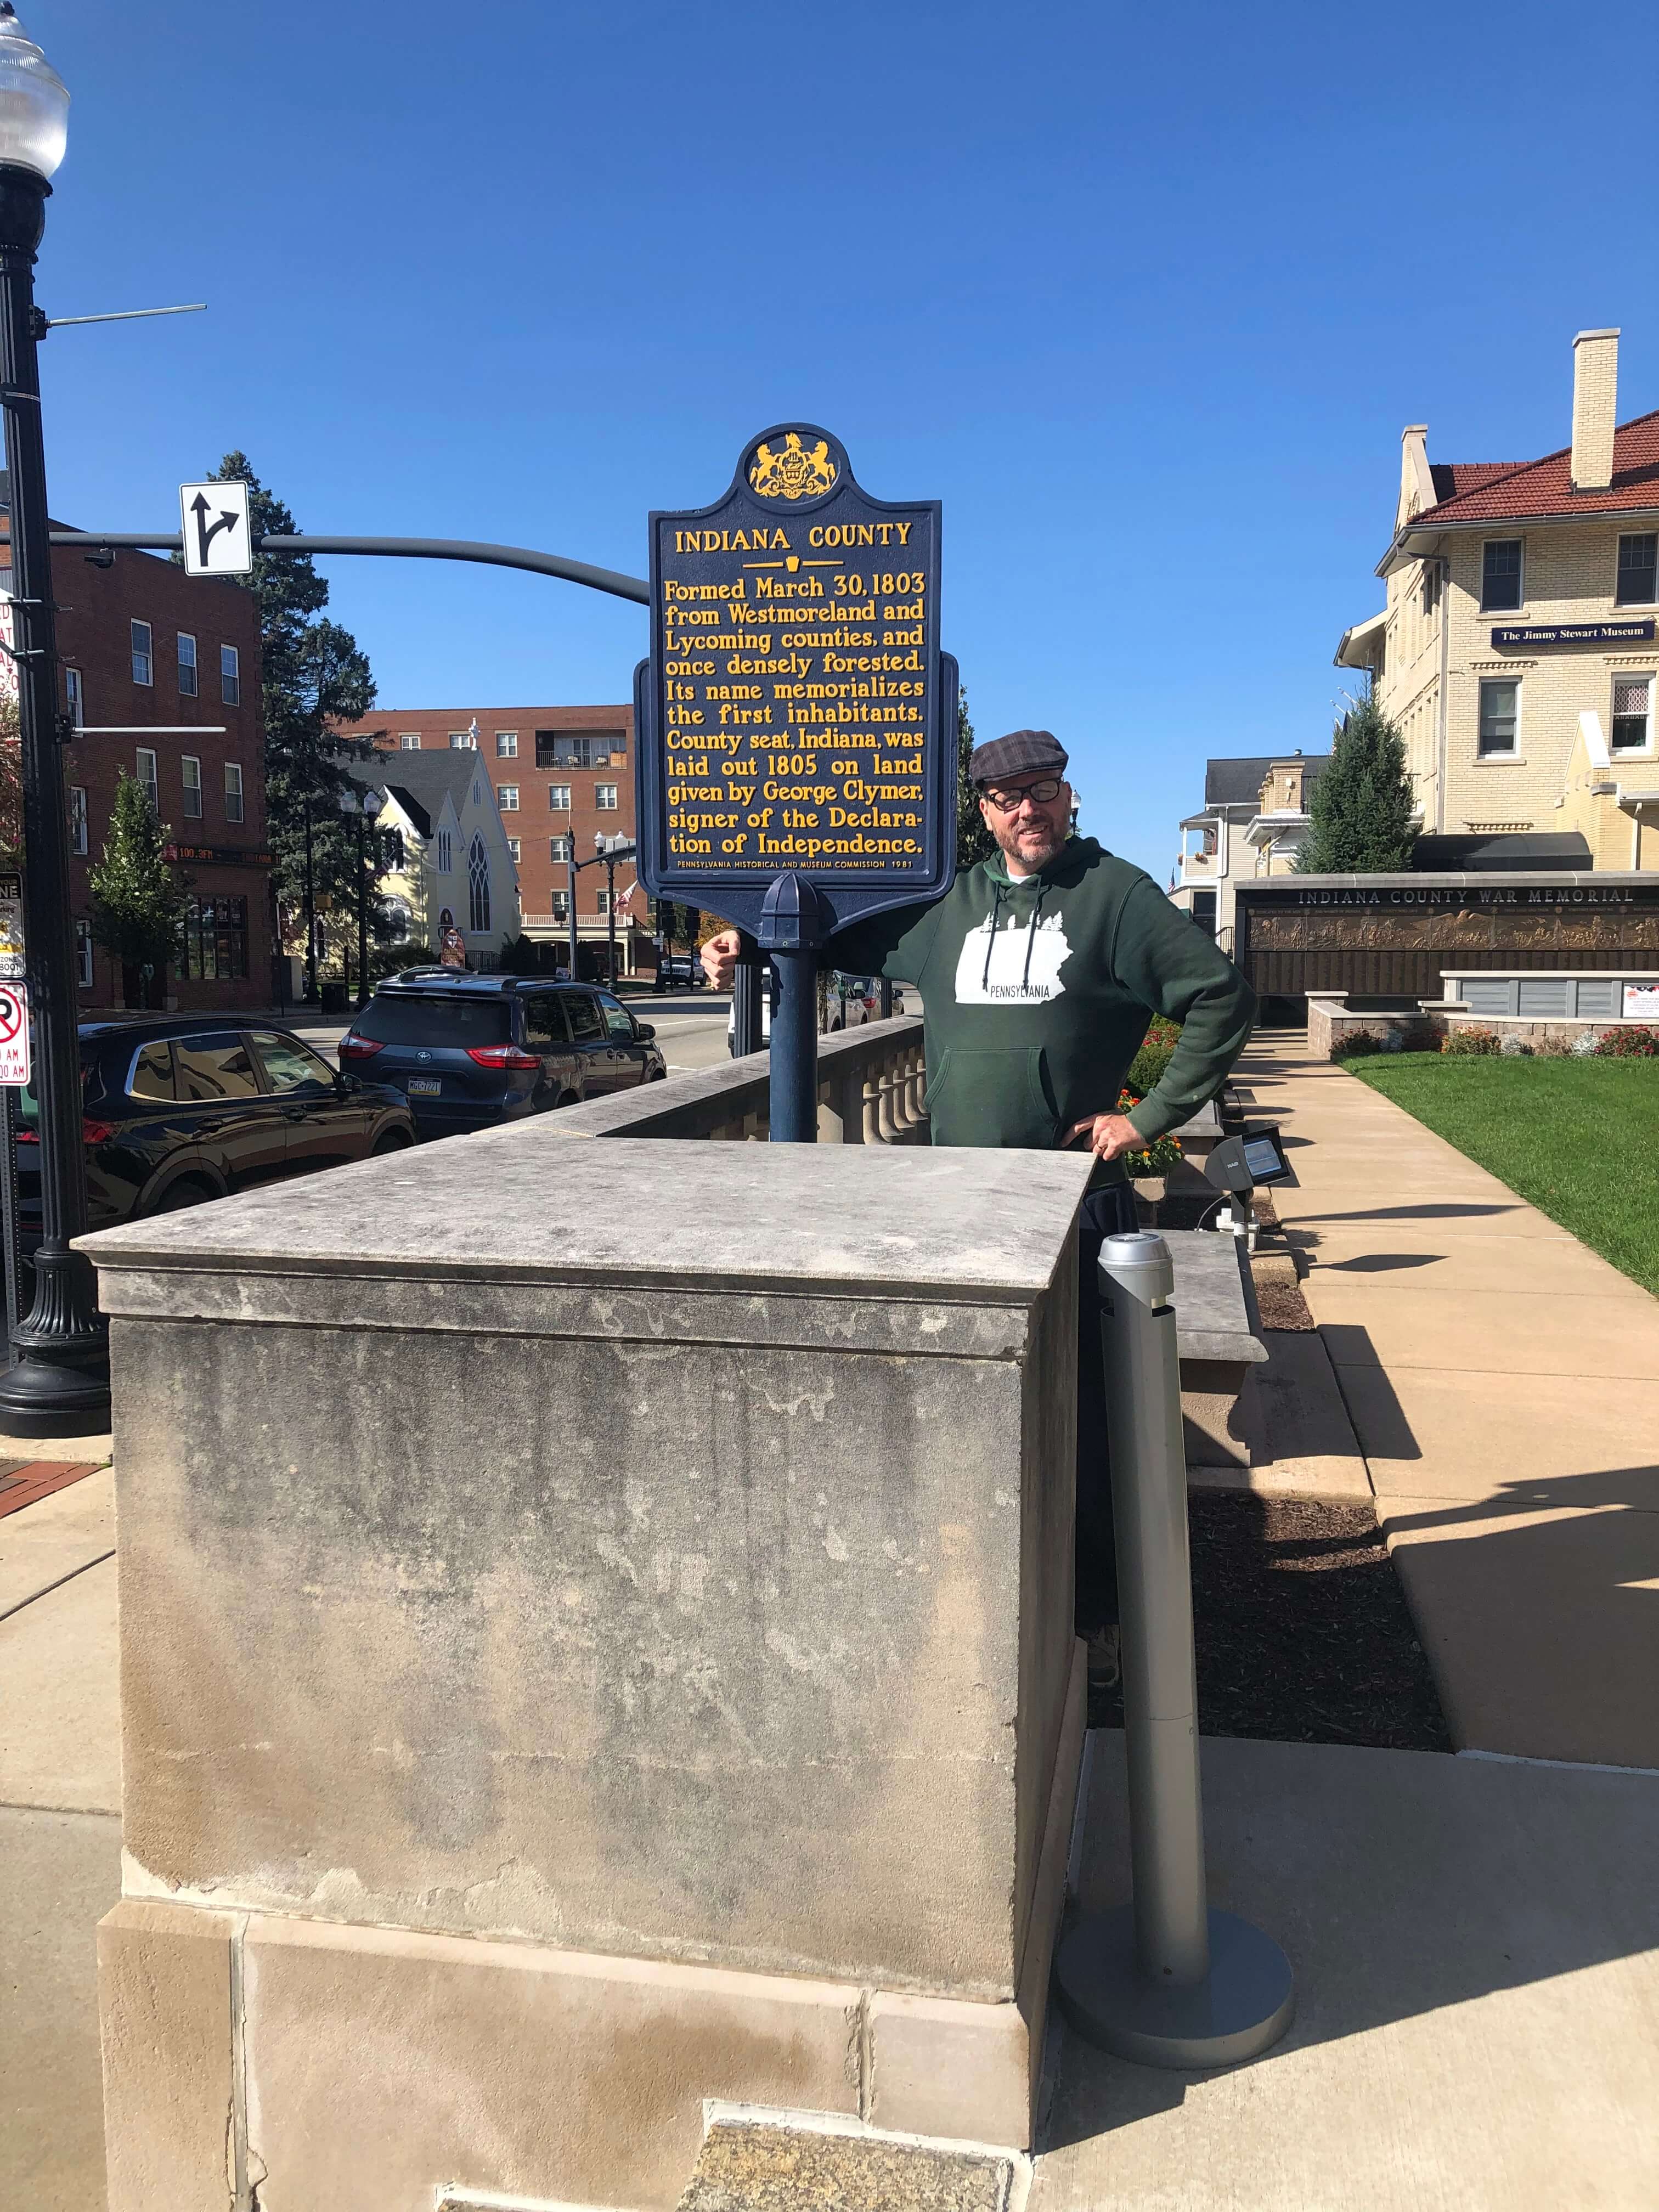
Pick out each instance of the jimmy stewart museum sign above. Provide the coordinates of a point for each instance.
(796, 715)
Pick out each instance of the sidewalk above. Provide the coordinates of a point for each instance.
(1503, 1382)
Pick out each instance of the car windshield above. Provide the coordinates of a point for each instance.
(443, 1022)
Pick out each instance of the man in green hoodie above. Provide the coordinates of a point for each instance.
(1039, 970)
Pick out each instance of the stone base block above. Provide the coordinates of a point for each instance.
(164, 2002)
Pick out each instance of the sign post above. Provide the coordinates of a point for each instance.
(796, 720)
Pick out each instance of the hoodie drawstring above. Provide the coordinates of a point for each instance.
(1030, 934)
(993, 920)
(990, 935)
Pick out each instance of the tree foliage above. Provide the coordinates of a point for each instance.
(974, 841)
(1362, 801)
(11, 780)
(315, 676)
(138, 897)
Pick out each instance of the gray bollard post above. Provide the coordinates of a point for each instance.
(1167, 1980)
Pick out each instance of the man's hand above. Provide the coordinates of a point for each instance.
(1109, 1134)
(720, 958)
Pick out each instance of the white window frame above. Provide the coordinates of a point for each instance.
(77, 799)
(607, 798)
(460, 741)
(187, 666)
(1511, 752)
(558, 798)
(75, 697)
(234, 812)
(409, 741)
(148, 780)
(514, 851)
(192, 786)
(507, 744)
(1508, 537)
(602, 897)
(559, 859)
(559, 904)
(144, 656)
(230, 676)
(83, 955)
(1630, 753)
(508, 795)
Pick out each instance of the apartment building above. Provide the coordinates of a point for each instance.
(1516, 650)
(161, 678)
(1252, 824)
(562, 776)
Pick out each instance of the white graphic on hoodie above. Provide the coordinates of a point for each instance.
(1023, 967)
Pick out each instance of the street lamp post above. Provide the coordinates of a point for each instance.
(58, 1381)
(362, 811)
(609, 854)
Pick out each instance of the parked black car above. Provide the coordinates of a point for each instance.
(473, 1051)
(178, 1109)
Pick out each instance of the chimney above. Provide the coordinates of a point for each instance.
(1594, 408)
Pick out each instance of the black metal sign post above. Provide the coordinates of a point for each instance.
(796, 720)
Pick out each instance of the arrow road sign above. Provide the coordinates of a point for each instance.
(14, 1034)
(218, 536)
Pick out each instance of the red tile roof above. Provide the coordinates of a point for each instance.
(1498, 491)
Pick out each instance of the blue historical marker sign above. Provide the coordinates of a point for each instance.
(796, 716)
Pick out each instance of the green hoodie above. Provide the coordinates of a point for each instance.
(1037, 996)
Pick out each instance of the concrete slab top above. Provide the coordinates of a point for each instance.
(1215, 1310)
(980, 1225)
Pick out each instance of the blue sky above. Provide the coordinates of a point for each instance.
(1144, 296)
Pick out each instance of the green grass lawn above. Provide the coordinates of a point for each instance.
(1579, 1138)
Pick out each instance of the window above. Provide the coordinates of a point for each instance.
(559, 905)
(186, 665)
(1430, 588)
(461, 741)
(233, 791)
(558, 798)
(618, 1019)
(216, 939)
(604, 898)
(1638, 584)
(477, 886)
(83, 954)
(561, 848)
(507, 744)
(152, 1071)
(508, 795)
(192, 773)
(77, 819)
(1632, 701)
(409, 741)
(289, 1065)
(215, 1068)
(604, 798)
(445, 852)
(75, 697)
(399, 916)
(146, 777)
(1500, 711)
(587, 1021)
(141, 653)
(513, 852)
(1500, 574)
(230, 676)
(580, 749)
(544, 1023)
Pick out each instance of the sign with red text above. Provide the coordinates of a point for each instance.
(14, 1035)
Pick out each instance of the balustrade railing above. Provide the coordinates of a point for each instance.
(871, 1083)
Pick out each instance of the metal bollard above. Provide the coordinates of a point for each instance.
(1168, 1980)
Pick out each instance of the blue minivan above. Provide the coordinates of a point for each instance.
(470, 1052)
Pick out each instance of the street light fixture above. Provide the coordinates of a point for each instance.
(58, 1382)
(362, 810)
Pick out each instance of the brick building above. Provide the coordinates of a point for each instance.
(562, 773)
(1516, 649)
(172, 662)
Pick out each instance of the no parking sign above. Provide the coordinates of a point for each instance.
(14, 1035)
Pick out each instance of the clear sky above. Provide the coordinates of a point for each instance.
(1144, 295)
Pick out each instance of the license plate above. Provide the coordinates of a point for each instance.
(423, 1087)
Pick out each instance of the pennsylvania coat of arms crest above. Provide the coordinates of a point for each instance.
(794, 473)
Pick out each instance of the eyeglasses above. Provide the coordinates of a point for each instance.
(1007, 802)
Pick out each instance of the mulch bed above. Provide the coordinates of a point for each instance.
(1302, 1629)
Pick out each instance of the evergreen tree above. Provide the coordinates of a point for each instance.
(137, 897)
(1362, 801)
(974, 841)
(314, 676)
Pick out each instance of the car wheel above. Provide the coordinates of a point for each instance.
(393, 1141)
(566, 1099)
(186, 1192)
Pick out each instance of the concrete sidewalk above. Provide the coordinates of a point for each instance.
(1503, 1382)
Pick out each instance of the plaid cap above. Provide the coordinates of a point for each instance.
(1021, 752)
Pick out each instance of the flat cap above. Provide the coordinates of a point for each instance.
(1021, 752)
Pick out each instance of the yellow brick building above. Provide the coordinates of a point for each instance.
(1516, 650)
